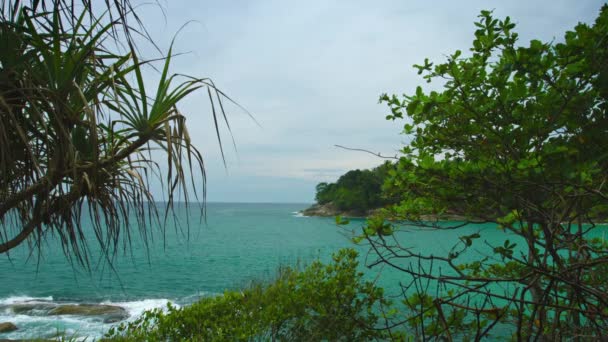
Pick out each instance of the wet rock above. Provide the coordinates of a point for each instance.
(20, 309)
(105, 313)
(321, 210)
(330, 210)
(115, 313)
(7, 327)
(31, 309)
(115, 318)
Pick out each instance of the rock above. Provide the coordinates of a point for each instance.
(116, 318)
(19, 309)
(114, 313)
(31, 309)
(324, 210)
(7, 327)
(106, 313)
(330, 210)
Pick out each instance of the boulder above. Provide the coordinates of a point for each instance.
(114, 313)
(324, 210)
(32, 309)
(115, 318)
(22, 309)
(7, 327)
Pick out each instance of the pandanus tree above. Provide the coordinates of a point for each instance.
(516, 138)
(78, 124)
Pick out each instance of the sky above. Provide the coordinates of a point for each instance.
(311, 73)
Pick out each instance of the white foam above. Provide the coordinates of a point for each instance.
(297, 214)
(26, 319)
(73, 327)
(191, 299)
(24, 299)
(137, 308)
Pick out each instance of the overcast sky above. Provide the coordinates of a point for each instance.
(311, 73)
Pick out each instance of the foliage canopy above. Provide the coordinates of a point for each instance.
(516, 137)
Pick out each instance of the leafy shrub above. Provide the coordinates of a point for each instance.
(321, 302)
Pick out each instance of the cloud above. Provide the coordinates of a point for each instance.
(311, 73)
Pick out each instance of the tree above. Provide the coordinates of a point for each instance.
(322, 302)
(77, 126)
(357, 190)
(322, 192)
(517, 138)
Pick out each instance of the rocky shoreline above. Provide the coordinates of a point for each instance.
(105, 313)
(100, 312)
(330, 210)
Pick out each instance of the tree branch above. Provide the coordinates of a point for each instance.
(366, 151)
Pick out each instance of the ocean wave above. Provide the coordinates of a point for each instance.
(24, 299)
(76, 327)
(136, 308)
(187, 300)
(297, 214)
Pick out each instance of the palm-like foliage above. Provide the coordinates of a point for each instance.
(77, 128)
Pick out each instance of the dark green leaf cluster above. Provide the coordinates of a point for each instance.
(356, 191)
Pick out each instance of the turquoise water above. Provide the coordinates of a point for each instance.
(238, 243)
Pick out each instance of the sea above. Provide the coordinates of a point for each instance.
(235, 244)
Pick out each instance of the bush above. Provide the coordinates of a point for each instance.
(322, 302)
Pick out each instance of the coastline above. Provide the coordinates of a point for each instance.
(330, 210)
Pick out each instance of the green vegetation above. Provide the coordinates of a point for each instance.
(322, 302)
(516, 137)
(78, 123)
(356, 191)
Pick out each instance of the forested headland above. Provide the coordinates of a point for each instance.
(355, 194)
(363, 193)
